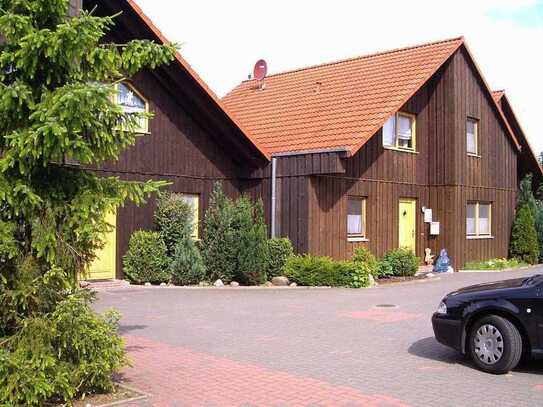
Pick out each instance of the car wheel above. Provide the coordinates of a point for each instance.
(495, 344)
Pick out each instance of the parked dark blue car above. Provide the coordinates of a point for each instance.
(495, 323)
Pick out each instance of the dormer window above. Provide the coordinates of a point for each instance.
(131, 102)
(399, 132)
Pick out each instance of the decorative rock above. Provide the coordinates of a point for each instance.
(147, 284)
(163, 284)
(371, 281)
(171, 285)
(234, 284)
(280, 281)
(293, 285)
(203, 284)
(218, 283)
(268, 284)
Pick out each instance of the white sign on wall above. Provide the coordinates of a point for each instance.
(434, 228)
(428, 216)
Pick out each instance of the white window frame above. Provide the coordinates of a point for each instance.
(476, 126)
(362, 236)
(396, 145)
(145, 128)
(478, 234)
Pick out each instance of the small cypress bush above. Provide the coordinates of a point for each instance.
(280, 250)
(146, 260)
(187, 266)
(524, 244)
(251, 242)
(400, 262)
(363, 256)
(219, 248)
(174, 217)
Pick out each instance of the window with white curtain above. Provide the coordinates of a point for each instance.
(479, 219)
(356, 217)
(399, 132)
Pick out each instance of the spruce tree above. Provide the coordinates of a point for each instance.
(524, 245)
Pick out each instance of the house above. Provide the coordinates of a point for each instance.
(369, 150)
(192, 142)
(344, 154)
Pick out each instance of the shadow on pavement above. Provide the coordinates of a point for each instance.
(429, 348)
(124, 329)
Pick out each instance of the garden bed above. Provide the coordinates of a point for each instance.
(392, 280)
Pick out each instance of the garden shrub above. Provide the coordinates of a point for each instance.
(219, 249)
(402, 262)
(250, 242)
(524, 245)
(187, 266)
(70, 352)
(310, 270)
(363, 256)
(174, 218)
(279, 251)
(146, 260)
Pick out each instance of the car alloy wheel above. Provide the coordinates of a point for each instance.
(488, 344)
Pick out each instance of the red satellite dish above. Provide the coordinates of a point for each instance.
(261, 70)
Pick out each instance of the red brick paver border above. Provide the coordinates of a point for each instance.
(181, 377)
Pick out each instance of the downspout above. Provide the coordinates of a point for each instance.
(273, 195)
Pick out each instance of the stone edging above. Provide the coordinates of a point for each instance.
(501, 271)
(142, 396)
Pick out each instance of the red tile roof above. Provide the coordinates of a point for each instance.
(338, 105)
(186, 66)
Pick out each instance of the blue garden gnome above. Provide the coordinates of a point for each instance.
(443, 262)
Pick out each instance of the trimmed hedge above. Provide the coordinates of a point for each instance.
(316, 271)
(146, 260)
(400, 262)
(280, 250)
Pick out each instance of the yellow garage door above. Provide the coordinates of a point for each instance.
(103, 268)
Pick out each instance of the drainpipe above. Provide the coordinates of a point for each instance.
(273, 195)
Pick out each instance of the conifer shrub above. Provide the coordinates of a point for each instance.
(280, 250)
(174, 217)
(524, 244)
(186, 265)
(146, 260)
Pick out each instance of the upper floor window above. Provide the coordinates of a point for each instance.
(400, 132)
(132, 102)
(479, 219)
(472, 136)
(356, 217)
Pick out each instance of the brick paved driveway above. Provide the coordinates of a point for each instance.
(322, 347)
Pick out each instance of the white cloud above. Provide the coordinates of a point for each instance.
(223, 39)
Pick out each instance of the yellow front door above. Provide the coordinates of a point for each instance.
(103, 268)
(407, 223)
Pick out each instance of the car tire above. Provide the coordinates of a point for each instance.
(495, 344)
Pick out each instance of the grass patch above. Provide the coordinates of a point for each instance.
(495, 264)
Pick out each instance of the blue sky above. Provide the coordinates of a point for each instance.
(223, 39)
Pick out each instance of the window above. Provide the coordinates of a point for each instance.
(194, 201)
(399, 132)
(356, 217)
(132, 102)
(478, 219)
(472, 135)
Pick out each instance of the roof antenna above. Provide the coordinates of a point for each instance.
(259, 72)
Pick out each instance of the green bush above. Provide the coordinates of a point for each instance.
(279, 251)
(250, 242)
(174, 219)
(187, 266)
(363, 256)
(401, 262)
(219, 249)
(524, 244)
(310, 270)
(70, 352)
(146, 260)
(494, 264)
(384, 269)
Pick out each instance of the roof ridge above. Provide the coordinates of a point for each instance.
(372, 55)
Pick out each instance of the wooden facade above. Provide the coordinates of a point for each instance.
(193, 143)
